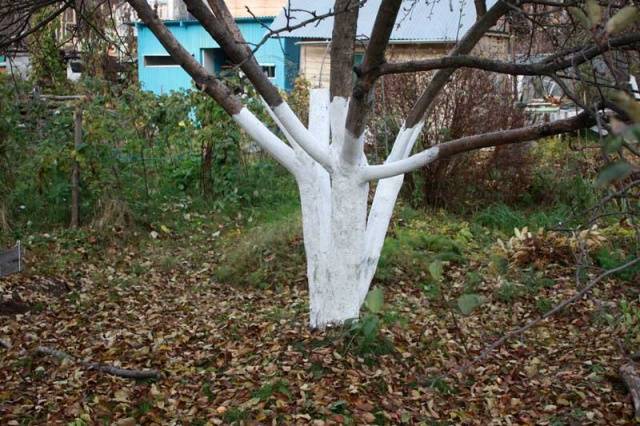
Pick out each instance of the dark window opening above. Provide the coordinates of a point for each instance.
(160, 61)
(269, 70)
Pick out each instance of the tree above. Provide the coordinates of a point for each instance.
(343, 235)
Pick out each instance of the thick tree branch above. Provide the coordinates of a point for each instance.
(211, 85)
(544, 67)
(481, 8)
(471, 143)
(225, 32)
(360, 103)
(216, 89)
(343, 41)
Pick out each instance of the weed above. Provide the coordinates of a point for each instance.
(339, 407)
(508, 292)
(234, 415)
(534, 281)
(609, 259)
(472, 281)
(317, 370)
(263, 256)
(630, 322)
(441, 385)
(206, 390)
(409, 253)
(143, 408)
(544, 305)
(363, 336)
(502, 217)
(432, 290)
(269, 390)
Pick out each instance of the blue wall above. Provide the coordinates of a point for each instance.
(283, 53)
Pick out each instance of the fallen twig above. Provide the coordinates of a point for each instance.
(559, 307)
(104, 368)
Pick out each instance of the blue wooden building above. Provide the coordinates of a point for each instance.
(159, 73)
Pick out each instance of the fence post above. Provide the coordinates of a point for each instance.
(75, 172)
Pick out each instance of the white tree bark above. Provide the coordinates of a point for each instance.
(342, 239)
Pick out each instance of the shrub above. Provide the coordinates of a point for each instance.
(140, 152)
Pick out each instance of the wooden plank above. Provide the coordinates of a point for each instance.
(11, 261)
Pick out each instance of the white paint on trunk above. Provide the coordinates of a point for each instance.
(314, 185)
(402, 166)
(302, 135)
(342, 244)
(319, 115)
(340, 293)
(266, 139)
(338, 118)
(287, 135)
(385, 199)
(336, 207)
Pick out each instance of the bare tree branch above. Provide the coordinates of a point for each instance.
(361, 98)
(343, 42)
(470, 143)
(544, 67)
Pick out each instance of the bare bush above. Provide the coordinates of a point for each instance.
(473, 102)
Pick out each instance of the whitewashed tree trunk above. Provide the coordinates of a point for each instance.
(343, 240)
(342, 244)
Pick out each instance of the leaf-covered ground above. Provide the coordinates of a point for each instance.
(243, 353)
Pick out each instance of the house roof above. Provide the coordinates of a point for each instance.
(418, 21)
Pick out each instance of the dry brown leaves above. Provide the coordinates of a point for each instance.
(245, 354)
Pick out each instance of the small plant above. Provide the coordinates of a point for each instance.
(630, 322)
(534, 281)
(467, 303)
(270, 390)
(472, 281)
(508, 292)
(544, 305)
(609, 259)
(440, 385)
(206, 390)
(364, 335)
(234, 415)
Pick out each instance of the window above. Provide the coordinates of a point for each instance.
(269, 70)
(162, 9)
(159, 61)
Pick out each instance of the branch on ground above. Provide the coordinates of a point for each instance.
(103, 368)
(556, 309)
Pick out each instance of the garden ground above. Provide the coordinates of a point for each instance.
(219, 306)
